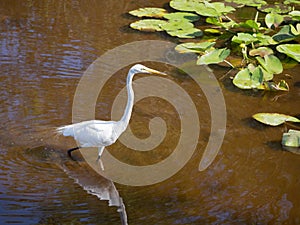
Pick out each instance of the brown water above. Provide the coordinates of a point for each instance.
(45, 47)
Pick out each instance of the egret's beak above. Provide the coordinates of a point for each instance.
(155, 72)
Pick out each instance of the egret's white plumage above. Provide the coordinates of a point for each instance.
(98, 133)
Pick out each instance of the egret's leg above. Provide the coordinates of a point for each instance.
(71, 150)
(100, 151)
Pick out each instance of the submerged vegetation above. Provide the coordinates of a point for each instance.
(255, 49)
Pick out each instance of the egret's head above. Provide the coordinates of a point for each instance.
(138, 68)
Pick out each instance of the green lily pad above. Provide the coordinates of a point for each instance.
(213, 9)
(295, 15)
(291, 50)
(264, 40)
(213, 57)
(186, 33)
(297, 2)
(149, 25)
(253, 3)
(177, 25)
(291, 138)
(249, 24)
(261, 51)
(270, 63)
(149, 12)
(191, 17)
(212, 31)
(274, 119)
(275, 8)
(185, 5)
(244, 38)
(273, 19)
(215, 21)
(285, 34)
(244, 79)
(193, 47)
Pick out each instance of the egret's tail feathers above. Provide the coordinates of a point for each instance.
(67, 130)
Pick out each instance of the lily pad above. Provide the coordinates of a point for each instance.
(253, 3)
(214, 9)
(191, 17)
(273, 20)
(291, 50)
(177, 25)
(270, 63)
(185, 5)
(213, 57)
(292, 2)
(149, 12)
(186, 33)
(285, 34)
(194, 47)
(215, 21)
(291, 138)
(275, 8)
(274, 119)
(150, 25)
(244, 79)
(249, 24)
(295, 15)
(244, 38)
(261, 51)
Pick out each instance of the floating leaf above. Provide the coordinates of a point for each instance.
(253, 3)
(270, 63)
(186, 33)
(295, 15)
(191, 17)
(149, 12)
(185, 5)
(212, 31)
(274, 119)
(244, 38)
(213, 9)
(244, 79)
(261, 51)
(264, 40)
(213, 57)
(291, 138)
(291, 50)
(177, 25)
(249, 24)
(215, 21)
(275, 8)
(291, 2)
(285, 34)
(148, 25)
(193, 47)
(273, 19)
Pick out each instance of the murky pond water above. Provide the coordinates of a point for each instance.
(45, 47)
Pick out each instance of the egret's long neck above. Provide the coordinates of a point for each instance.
(130, 101)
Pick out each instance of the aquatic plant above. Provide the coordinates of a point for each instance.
(260, 42)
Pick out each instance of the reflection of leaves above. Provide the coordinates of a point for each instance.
(291, 138)
(148, 25)
(291, 50)
(213, 57)
(274, 119)
(149, 12)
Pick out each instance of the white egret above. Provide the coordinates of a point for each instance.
(99, 133)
